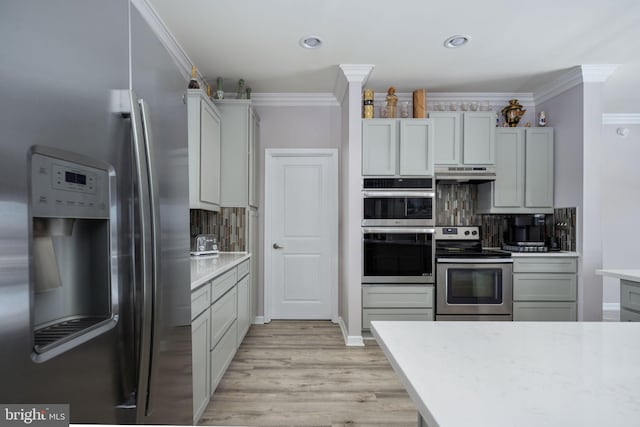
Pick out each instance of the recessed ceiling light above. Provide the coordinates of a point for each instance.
(456, 41)
(311, 42)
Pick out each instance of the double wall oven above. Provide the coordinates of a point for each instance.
(472, 283)
(398, 230)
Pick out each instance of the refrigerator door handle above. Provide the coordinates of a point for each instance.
(144, 206)
(155, 251)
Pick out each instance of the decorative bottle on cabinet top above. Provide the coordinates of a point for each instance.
(367, 104)
(193, 83)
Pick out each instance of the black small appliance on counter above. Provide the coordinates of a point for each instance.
(525, 233)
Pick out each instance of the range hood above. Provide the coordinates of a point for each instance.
(461, 174)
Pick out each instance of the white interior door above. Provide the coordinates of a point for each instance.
(301, 234)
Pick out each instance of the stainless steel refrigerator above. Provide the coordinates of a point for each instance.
(94, 268)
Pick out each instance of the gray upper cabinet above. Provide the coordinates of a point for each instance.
(397, 147)
(524, 173)
(464, 138)
(204, 133)
(238, 154)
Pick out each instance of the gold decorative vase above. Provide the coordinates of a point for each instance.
(513, 112)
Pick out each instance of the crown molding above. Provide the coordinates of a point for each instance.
(597, 73)
(166, 38)
(621, 119)
(351, 73)
(294, 100)
(569, 79)
(586, 73)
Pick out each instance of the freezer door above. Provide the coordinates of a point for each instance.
(61, 63)
(165, 392)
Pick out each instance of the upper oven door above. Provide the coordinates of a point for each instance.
(482, 286)
(398, 255)
(393, 208)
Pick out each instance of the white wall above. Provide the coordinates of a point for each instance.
(291, 127)
(576, 116)
(620, 204)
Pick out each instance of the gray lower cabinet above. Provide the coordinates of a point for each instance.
(200, 352)
(220, 319)
(396, 302)
(629, 301)
(244, 307)
(545, 288)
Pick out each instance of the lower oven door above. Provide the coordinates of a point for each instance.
(397, 255)
(478, 287)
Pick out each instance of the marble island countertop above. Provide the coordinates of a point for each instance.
(205, 268)
(526, 374)
(624, 274)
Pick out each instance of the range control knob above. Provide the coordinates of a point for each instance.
(474, 232)
(466, 233)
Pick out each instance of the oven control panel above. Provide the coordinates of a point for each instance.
(458, 233)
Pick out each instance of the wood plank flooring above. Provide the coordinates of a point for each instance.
(300, 373)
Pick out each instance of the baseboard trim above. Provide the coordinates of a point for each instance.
(350, 340)
(259, 320)
(611, 306)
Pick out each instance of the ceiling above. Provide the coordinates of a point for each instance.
(514, 47)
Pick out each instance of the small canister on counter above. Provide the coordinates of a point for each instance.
(419, 104)
(367, 104)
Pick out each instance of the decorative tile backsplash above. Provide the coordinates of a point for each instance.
(228, 226)
(456, 204)
(564, 226)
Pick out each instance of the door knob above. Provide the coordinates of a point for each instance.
(277, 246)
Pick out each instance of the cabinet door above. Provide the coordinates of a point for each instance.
(201, 364)
(478, 147)
(447, 137)
(545, 311)
(243, 307)
(209, 155)
(379, 146)
(416, 147)
(234, 166)
(544, 287)
(508, 188)
(539, 168)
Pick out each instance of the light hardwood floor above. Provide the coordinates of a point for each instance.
(300, 373)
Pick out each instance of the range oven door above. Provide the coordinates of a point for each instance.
(398, 255)
(474, 286)
(398, 208)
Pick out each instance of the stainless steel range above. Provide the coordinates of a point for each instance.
(472, 283)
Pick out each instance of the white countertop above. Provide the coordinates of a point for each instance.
(205, 268)
(544, 254)
(525, 374)
(633, 275)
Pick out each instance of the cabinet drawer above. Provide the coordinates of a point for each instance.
(629, 316)
(370, 314)
(545, 311)
(200, 300)
(544, 287)
(221, 356)
(397, 296)
(545, 265)
(223, 314)
(243, 269)
(222, 284)
(630, 295)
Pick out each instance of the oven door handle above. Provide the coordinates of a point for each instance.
(391, 194)
(398, 230)
(474, 260)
